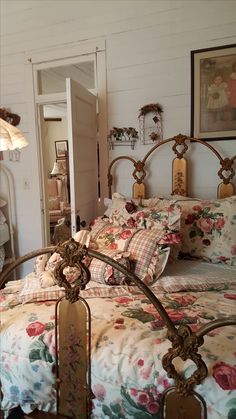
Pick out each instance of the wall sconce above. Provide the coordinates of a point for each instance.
(10, 137)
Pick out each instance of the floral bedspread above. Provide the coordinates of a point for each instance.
(128, 341)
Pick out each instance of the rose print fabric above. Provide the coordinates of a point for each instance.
(208, 229)
(128, 342)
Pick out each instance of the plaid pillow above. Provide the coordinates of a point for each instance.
(104, 273)
(144, 247)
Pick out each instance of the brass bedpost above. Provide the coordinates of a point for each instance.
(180, 167)
(226, 188)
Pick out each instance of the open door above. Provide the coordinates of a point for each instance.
(82, 141)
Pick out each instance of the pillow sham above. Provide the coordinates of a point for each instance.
(118, 201)
(100, 271)
(165, 215)
(208, 229)
(143, 246)
(103, 273)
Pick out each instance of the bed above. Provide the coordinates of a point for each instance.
(149, 310)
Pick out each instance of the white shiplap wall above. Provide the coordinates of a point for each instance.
(148, 46)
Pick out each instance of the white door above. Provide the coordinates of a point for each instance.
(82, 141)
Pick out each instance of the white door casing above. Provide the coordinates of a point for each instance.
(82, 141)
(76, 52)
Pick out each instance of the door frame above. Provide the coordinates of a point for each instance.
(65, 55)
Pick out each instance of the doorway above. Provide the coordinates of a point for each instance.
(69, 164)
(85, 62)
(56, 162)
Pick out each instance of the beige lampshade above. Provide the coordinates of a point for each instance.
(59, 168)
(10, 137)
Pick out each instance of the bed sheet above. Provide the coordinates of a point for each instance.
(128, 341)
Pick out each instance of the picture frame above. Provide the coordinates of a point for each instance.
(213, 93)
(61, 148)
(61, 160)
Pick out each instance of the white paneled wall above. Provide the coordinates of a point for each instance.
(148, 46)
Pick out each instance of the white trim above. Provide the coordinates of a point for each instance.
(78, 52)
(67, 51)
(102, 127)
(33, 128)
(66, 61)
(50, 98)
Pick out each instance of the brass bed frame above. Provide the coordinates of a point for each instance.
(180, 400)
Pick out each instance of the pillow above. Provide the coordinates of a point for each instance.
(118, 201)
(208, 229)
(40, 263)
(165, 215)
(100, 271)
(143, 246)
(53, 203)
(107, 204)
(103, 273)
(2, 218)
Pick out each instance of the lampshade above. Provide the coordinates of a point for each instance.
(10, 137)
(59, 168)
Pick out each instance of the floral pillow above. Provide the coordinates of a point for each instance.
(208, 229)
(118, 201)
(165, 215)
(144, 247)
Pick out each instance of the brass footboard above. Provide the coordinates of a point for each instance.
(180, 401)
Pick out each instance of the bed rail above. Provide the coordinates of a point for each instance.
(178, 399)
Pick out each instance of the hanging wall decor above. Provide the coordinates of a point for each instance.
(122, 136)
(150, 123)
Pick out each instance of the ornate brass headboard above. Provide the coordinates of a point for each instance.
(179, 169)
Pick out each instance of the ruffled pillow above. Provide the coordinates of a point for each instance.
(100, 271)
(104, 273)
(144, 247)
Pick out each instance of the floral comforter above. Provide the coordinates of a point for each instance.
(128, 342)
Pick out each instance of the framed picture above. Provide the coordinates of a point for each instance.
(213, 93)
(61, 148)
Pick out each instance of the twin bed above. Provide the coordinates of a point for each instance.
(158, 345)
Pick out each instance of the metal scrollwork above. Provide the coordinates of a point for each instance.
(72, 254)
(139, 168)
(180, 141)
(227, 165)
(185, 345)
